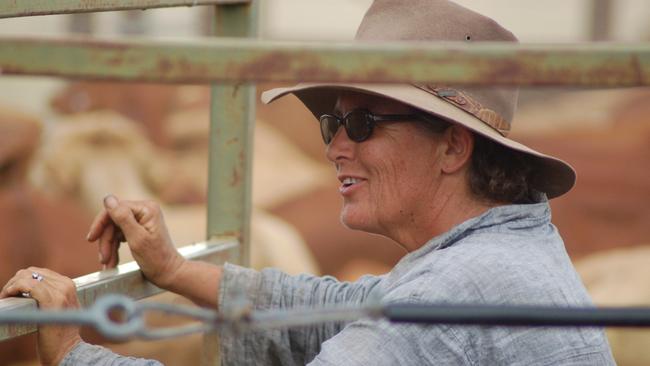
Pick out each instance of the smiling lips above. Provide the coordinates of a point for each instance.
(349, 184)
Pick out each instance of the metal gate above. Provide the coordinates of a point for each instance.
(236, 60)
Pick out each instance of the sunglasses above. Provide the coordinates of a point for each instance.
(358, 124)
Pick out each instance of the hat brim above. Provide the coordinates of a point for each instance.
(554, 176)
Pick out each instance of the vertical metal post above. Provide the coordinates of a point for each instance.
(81, 23)
(133, 22)
(231, 135)
(601, 20)
(230, 162)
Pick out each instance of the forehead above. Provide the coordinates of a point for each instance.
(349, 100)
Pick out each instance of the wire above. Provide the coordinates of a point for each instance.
(241, 317)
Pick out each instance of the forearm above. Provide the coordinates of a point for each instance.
(84, 354)
(272, 289)
(198, 281)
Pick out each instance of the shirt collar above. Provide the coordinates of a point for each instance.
(510, 217)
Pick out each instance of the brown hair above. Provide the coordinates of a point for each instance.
(496, 173)
(500, 174)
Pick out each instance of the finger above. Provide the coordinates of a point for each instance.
(48, 274)
(143, 211)
(119, 236)
(15, 287)
(114, 258)
(105, 243)
(123, 214)
(5, 289)
(100, 222)
(25, 285)
(53, 291)
(22, 273)
(52, 277)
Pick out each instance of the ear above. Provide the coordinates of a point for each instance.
(458, 148)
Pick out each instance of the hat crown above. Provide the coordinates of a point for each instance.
(442, 20)
(487, 111)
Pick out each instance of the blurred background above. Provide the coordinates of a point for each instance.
(65, 144)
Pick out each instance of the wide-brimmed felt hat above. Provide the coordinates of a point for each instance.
(487, 111)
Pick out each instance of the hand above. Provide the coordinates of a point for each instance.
(51, 291)
(141, 223)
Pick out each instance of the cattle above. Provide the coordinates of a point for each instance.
(621, 277)
(35, 229)
(608, 207)
(607, 140)
(88, 155)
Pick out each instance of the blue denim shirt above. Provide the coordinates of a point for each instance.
(510, 255)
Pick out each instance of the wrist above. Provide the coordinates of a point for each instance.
(64, 350)
(173, 272)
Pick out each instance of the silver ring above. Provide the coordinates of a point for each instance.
(37, 276)
(26, 294)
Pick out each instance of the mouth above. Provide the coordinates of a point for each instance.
(348, 184)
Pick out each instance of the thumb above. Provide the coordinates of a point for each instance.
(123, 216)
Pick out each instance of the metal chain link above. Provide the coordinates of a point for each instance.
(240, 316)
(237, 318)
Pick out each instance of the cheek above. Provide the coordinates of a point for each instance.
(407, 178)
(400, 171)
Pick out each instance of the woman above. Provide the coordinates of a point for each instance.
(428, 166)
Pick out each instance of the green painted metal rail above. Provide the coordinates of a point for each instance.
(23, 8)
(232, 118)
(241, 60)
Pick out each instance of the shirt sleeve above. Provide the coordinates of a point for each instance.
(381, 343)
(84, 354)
(273, 289)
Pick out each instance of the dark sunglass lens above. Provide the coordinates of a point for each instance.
(357, 126)
(328, 127)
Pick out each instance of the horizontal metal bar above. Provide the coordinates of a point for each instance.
(23, 8)
(459, 314)
(237, 60)
(126, 279)
(518, 315)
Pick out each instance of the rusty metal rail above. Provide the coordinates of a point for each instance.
(24, 8)
(126, 279)
(242, 60)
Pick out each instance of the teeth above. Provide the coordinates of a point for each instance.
(350, 181)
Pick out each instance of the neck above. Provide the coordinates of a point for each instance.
(447, 208)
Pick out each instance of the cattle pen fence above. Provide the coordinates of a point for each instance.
(233, 61)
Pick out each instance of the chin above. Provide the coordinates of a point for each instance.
(354, 221)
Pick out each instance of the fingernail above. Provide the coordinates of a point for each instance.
(110, 201)
(88, 237)
(101, 258)
(103, 267)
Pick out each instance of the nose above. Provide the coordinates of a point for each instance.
(341, 147)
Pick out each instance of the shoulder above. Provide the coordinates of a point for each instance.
(495, 267)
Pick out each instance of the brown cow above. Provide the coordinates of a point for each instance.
(143, 102)
(610, 204)
(91, 154)
(621, 277)
(607, 129)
